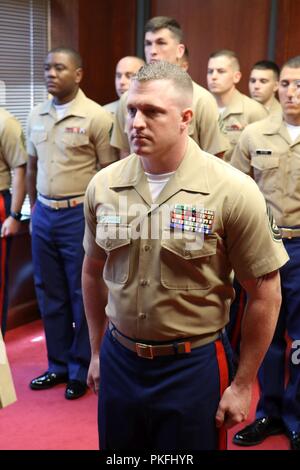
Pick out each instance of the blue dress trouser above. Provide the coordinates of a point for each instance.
(277, 398)
(57, 254)
(5, 245)
(167, 403)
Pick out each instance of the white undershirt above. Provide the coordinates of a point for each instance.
(157, 183)
(61, 109)
(294, 131)
(221, 110)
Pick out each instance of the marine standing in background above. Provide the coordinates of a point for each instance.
(236, 110)
(68, 139)
(263, 85)
(13, 158)
(269, 151)
(126, 67)
(164, 41)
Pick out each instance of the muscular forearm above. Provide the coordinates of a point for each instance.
(258, 327)
(31, 176)
(95, 299)
(18, 188)
(257, 332)
(10, 225)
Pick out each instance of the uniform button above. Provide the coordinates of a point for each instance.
(147, 247)
(144, 282)
(142, 316)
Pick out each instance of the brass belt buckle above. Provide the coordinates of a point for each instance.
(144, 350)
(56, 205)
(288, 232)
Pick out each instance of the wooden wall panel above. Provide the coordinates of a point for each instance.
(106, 33)
(102, 31)
(240, 25)
(288, 30)
(64, 23)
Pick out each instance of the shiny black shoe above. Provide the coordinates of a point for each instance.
(75, 389)
(257, 432)
(47, 380)
(294, 440)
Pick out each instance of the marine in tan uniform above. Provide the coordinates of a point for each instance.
(166, 227)
(263, 85)
(164, 41)
(68, 141)
(12, 158)
(236, 110)
(125, 68)
(269, 151)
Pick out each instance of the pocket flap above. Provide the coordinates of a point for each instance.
(191, 246)
(112, 236)
(38, 137)
(265, 163)
(75, 140)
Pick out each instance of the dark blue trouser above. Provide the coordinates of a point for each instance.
(57, 254)
(5, 244)
(167, 403)
(277, 399)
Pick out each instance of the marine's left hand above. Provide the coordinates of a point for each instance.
(10, 227)
(234, 405)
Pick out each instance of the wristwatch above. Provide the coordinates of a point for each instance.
(16, 215)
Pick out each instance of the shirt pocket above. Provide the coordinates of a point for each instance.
(115, 240)
(75, 140)
(233, 136)
(265, 172)
(38, 138)
(185, 262)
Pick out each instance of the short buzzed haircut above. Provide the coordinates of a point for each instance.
(293, 63)
(162, 70)
(267, 65)
(165, 22)
(229, 54)
(75, 56)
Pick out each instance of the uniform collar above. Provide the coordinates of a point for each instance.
(274, 124)
(235, 106)
(193, 163)
(275, 107)
(76, 108)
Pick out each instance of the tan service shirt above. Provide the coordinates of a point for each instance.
(275, 107)
(203, 128)
(168, 283)
(241, 111)
(266, 152)
(12, 150)
(111, 107)
(69, 150)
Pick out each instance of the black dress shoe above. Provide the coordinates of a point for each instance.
(47, 380)
(294, 440)
(75, 389)
(257, 432)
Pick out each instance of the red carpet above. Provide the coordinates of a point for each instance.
(43, 420)
(46, 420)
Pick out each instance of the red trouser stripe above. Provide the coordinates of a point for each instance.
(224, 382)
(2, 256)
